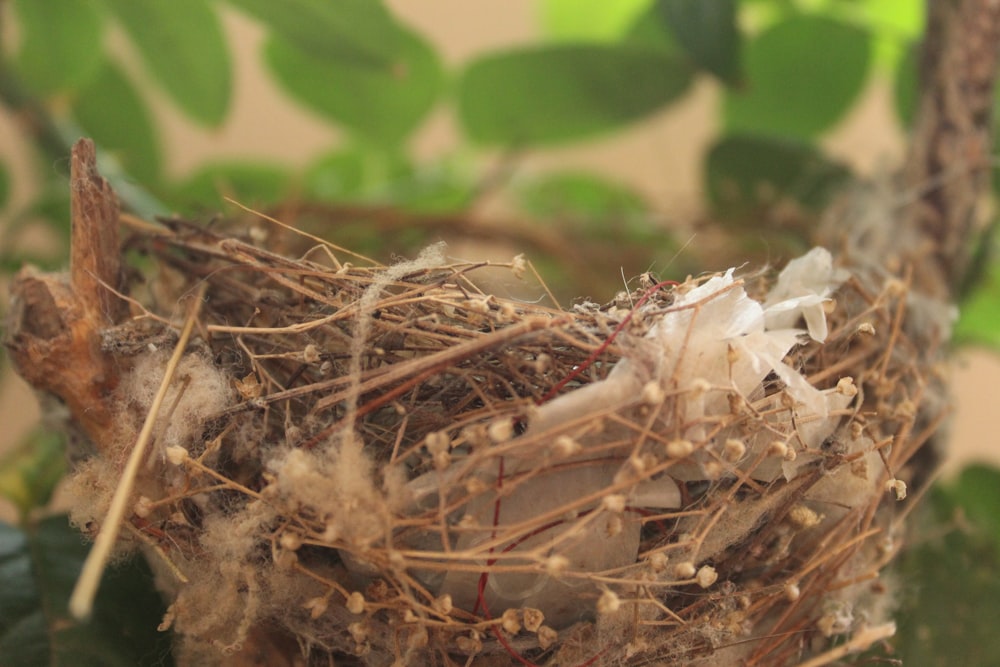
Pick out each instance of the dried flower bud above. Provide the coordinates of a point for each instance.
(733, 450)
(176, 454)
(847, 387)
(792, 591)
(310, 354)
(290, 541)
(501, 430)
(355, 603)
(777, 448)
(547, 636)
(658, 561)
(555, 566)
(804, 517)
(608, 603)
(652, 394)
(442, 460)
(143, 507)
(533, 619)
(866, 329)
(437, 441)
(510, 622)
(518, 266)
(897, 487)
(614, 502)
(706, 576)
(316, 606)
(679, 449)
(685, 570)
(700, 386)
(565, 446)
(442, 604)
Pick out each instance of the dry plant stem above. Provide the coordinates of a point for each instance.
(55, 322)
(861, 641)
(952, 138)
(82, 601)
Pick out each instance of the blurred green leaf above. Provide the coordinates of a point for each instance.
(60, 43)
(581, 197)
(707, 31)
(4, 185)
(589, 20)
(745, 173)
(38, 569)
(337, 176)
(184, 47)
(358, 175)
(557, 93)
(436, 187)
(111, 111)
(29, 473)
(382, 105)
(979, 315)
(359, 32)
(905, 86)
(802, 76)
(951, 585)
(977, 492)
(250, 184)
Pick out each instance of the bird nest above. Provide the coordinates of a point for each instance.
(390, 465)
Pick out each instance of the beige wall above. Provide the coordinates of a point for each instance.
(660, 156)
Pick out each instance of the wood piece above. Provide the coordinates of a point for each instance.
(55, 320)
(949, 160)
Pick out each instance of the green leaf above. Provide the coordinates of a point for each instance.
(558, 93)
(38, 569)
(250, 184)
(803, 74)
(951, 585)
(580, 196)
(905, 87)
(110, 110)
(60, 44)
(977, 492)
(29, 473)
(338, 176)
(381, 105)
(589, 20)
(707, 31)
(361, 32)
(979, 315)
(183, 45)
(4, 185)
(744, 173)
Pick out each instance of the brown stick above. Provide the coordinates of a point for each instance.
(55, 322)
(952, 137)
(94, 246)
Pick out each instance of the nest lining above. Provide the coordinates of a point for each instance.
(392, 466)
